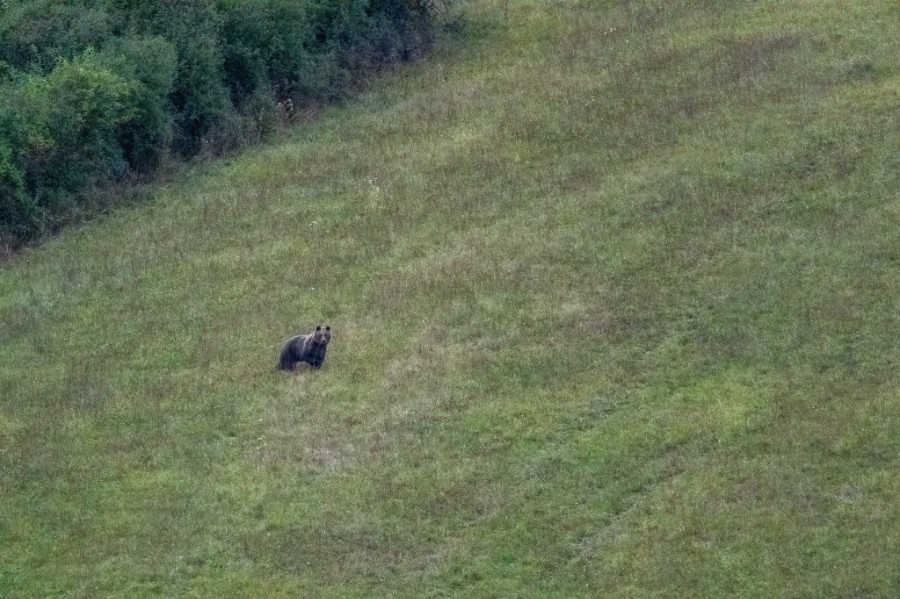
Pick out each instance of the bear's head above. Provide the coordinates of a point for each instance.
(322, 336)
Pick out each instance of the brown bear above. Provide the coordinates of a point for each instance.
(308, 348)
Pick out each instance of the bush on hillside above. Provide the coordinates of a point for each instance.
(149, 64)
(36, 34)
(61, 139)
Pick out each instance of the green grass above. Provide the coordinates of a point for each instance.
(615, 295)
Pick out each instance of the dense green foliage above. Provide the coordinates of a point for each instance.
(93, 93)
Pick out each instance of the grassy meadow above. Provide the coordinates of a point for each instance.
(614, 288)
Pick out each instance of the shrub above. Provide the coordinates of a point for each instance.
(149, 63)
(62, 138)
(267, 45)
(14, 209)
(35, 35)
(198, 97)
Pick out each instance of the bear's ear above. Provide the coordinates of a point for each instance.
(327, 328)
(319, 328)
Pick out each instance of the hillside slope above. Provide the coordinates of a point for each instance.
(614, 288)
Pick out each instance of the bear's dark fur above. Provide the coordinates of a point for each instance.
(308, 348)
